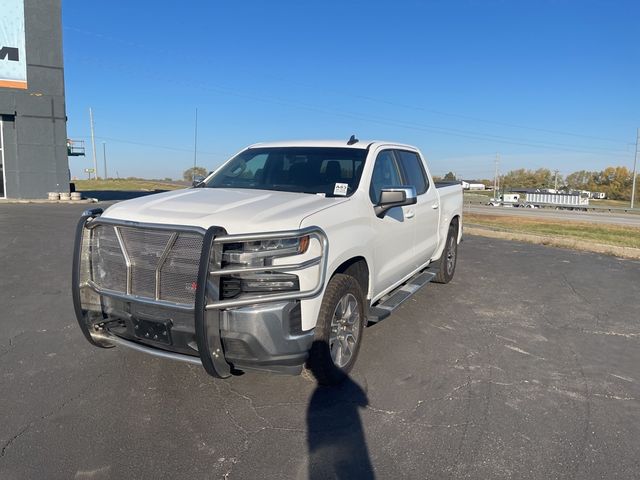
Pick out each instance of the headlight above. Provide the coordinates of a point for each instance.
(261, 253)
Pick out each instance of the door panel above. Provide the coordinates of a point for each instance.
(427, 225)
(393, 244)
(427, 207)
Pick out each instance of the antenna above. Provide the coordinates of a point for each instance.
(353, 140)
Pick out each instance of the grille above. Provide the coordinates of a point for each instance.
(109, 268)
(179, 272)
(163, 264)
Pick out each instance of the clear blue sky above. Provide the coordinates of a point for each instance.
(546, 83)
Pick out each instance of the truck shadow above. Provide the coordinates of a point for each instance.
(335, 437)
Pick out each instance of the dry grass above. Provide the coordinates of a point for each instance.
(602, 234)
(594, 202)
(124, 184)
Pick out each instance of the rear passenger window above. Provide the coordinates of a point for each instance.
(413, 171)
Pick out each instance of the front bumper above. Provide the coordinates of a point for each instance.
(222, 335)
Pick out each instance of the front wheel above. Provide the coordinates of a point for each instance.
(449, 257)
(338, 332)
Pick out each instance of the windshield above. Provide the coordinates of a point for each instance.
(331, 171)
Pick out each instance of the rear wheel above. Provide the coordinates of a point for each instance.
(449, 257)
(338, 332)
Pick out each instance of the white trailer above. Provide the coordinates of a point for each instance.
(571, 201)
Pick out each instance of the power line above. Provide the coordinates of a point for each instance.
(360, 96)
(409, 125)
(155, 145)
(440, 112)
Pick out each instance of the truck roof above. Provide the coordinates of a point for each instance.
(361, 144)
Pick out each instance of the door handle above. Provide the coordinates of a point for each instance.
(409, 214)
(435, 206)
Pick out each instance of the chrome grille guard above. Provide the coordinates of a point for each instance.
(207, 304)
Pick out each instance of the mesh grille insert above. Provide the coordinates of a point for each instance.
(179, 273)
(145, 248)
(108, 267)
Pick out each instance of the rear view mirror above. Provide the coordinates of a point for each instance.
(391, 197)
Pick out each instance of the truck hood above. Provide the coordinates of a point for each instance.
(236, 210)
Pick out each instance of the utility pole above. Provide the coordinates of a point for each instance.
(635, 161)
(495, 177)
(104, 158)
(93, 145)
(556, 181)
(195, 145)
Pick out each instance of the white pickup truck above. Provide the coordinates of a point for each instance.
(277, 260)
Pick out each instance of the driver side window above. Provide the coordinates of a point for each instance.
(385, 174)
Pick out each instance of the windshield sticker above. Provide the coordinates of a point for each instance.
(340, 189)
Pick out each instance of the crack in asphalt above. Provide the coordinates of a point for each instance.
(11, 344)
(248, 434)
(595, 314)
(62, 405)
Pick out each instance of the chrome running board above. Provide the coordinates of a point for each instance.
(387, 304)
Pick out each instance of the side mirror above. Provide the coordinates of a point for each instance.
(197, 180)
(391, 197)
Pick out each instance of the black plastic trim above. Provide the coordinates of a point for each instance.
(206, 337)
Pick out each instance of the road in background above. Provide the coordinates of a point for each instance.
(630, 220)
(525, 366)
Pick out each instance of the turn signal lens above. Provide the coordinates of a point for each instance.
(304, 244)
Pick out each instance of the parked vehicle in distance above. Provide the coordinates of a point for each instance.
(277, 259)
(505, 200)
(473, 186)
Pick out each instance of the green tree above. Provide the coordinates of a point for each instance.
(581, 180)
(523, 178)
(614, 181)
(450, 176)
(190, 173)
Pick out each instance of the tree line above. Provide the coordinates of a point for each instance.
(615, 182)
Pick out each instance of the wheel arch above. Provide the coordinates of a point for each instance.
(455, 222)
(358, 268)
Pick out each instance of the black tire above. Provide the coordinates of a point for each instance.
(331, 369)
(449, 257)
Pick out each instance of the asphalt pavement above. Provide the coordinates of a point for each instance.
(525, 366)
(611, 218)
